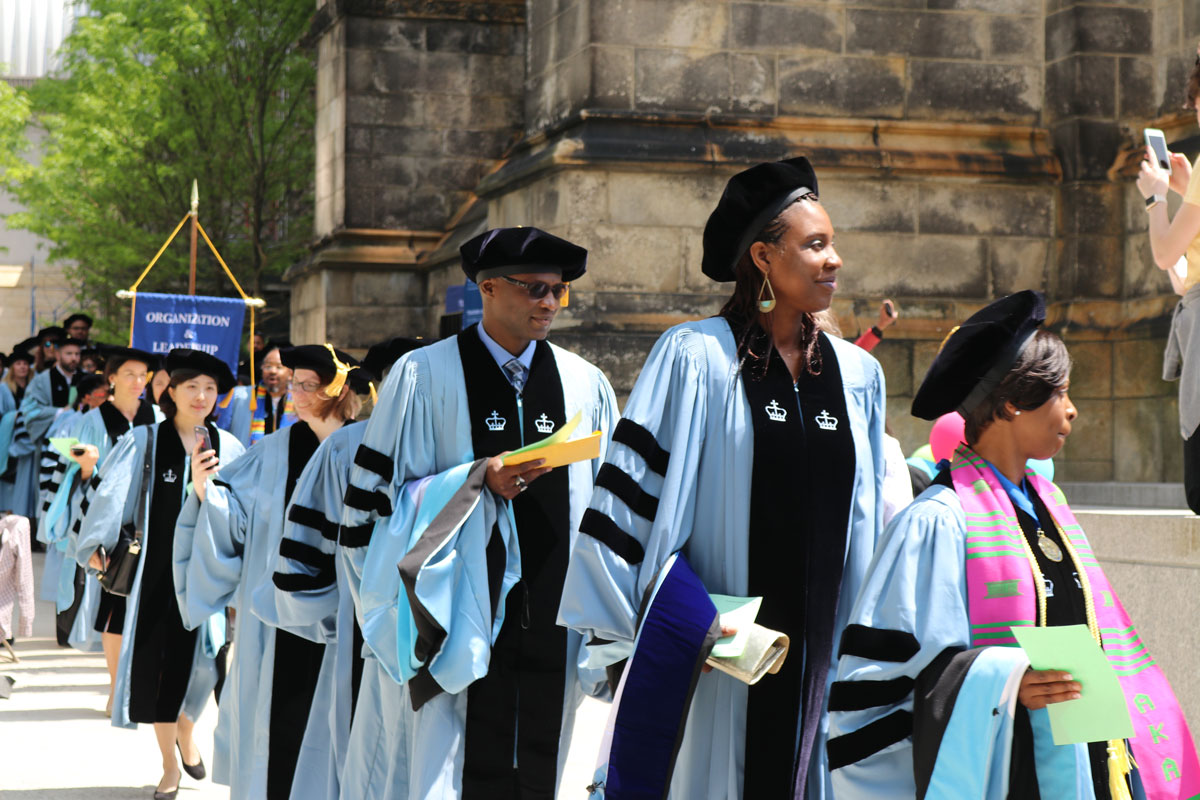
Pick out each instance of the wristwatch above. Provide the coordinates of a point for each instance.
(1154, 200)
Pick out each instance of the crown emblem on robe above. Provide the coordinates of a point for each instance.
(544, 424)
(495, 422)
(776, 412)
(826, 422)
(169, 476)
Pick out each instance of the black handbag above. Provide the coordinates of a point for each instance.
(121, 564)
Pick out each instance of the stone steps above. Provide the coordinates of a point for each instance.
(1126, 495)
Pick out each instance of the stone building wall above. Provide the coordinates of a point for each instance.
(966, 149)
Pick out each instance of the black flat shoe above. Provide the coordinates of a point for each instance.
(195, 771)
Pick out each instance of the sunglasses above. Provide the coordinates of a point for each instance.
(539, 289)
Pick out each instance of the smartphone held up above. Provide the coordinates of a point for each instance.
(1157, 142)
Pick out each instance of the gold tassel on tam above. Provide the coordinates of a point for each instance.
(1120, 764)
(339, 380)
(374, 397)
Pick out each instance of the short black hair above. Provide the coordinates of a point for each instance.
(166, 403)
(1041, 370)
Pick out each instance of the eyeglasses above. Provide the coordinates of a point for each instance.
(539, 289)
(308, 387)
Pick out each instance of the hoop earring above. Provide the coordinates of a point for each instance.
(766, 306)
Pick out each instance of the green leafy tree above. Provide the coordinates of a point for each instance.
(14, 116)
(152, 96)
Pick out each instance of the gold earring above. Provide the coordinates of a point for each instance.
(766, 306)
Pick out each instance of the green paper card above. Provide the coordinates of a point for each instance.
(63, 445)
(1100, 713)
(739, 613)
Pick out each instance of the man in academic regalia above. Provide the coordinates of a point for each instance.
(50, 391)
(493, 388)
(272, 407)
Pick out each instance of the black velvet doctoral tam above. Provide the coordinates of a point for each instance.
(511, 251)
(751, 199)
(978, 354)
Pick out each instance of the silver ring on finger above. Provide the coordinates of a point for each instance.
(521, 484)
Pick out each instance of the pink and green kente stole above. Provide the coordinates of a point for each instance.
(1001, 595)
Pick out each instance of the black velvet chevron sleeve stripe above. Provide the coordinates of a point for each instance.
(878, 644)
(306, 554)
(868, 740)
(858, 695)
(355, 536)
(624, 487)
(302, 583)
(642, 442)
(95, 481)
(223, 484)
(602, 528)
(375, 461)
(368, 501)
(309, 556)
(311, 518)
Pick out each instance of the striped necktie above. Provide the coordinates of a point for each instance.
(517, 374)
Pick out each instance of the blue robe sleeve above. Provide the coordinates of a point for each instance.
(303, 588)
(112, 494)
(37, 407)
(210, 539)
(398, 445)
(644, 503)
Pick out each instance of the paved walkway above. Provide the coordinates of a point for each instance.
(57, 744)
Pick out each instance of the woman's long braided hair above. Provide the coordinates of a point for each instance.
(741, 310)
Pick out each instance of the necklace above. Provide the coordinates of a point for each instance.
(1049, 547)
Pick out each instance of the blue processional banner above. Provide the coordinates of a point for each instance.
(212, 324)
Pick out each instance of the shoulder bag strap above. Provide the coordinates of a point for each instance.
(139, 518)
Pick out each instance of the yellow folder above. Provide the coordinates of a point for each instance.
(555, 448)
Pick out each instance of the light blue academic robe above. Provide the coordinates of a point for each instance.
(62, 520)
(21, 496)
(8, 421)
(225, 549)
(689, 397)
(37, 407)
(112, 503)
(325, 606)
(917, 585)
(55, 531)
(237, 416)
(422, 423)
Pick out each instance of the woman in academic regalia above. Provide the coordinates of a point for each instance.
(226, 542)
(752, 445)
(126, 371)
(307, 594)
(934, 697)
(17, 375)
(165, 671)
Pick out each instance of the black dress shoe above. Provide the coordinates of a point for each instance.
(166, 795)
(195, 771)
